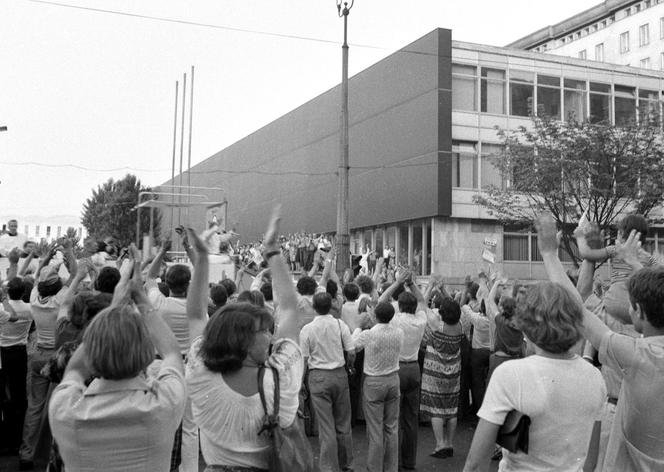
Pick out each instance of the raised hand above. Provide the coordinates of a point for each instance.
(629, 250)
(547, 234)
(196, 243)
(272, 234)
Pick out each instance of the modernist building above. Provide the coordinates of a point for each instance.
(625, 32)
(422, 140)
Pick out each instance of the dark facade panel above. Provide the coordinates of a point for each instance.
(444, 123)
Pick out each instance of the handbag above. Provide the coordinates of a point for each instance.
(514, 433)
(290, 449)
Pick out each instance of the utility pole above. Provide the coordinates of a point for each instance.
(343, 238)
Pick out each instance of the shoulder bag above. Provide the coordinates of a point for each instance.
(513, 434)
(290, 449)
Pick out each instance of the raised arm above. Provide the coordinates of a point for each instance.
(155, 266)
(586, 252)
(386, 296)
(12, 270)
(327, 268)
(26, 263)
(50, 252)
(197, 293)
(70, 260)
(491, 307)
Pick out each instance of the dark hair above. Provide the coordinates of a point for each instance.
(550, 317)
(646, 289)
(15, 288)
(107, 279)
(437, 299)
(95, 304)
(49, 289)
(28, 283)
(322, 303)
(407, 302)
(364, 305)
(266, 290)
(397, 293)
(77, 309)
(332, 288)
(384, 312)
(163, 288)
(177, 278)
(351, 291)
(230, 334)
(252, 296)
(229, 285)
(218, 295)
(508, 304)
(365, 283)
(450, 311)
(306, 285)
(473, 287)
(634, 222)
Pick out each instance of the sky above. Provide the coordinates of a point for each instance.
(88, 95)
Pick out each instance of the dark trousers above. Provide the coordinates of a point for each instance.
(409, 385)
(355, 386)
(479, 366)
(13, 381)
(465, 380)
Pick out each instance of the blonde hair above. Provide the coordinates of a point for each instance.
(117, 344)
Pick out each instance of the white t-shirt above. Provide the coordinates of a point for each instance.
(15, 333)
(45, 313)
(9, 242)
(413, 326)
(563, 399)
(174, 313)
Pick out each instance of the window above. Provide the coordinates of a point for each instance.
(582, 54)
(548, 96)
(661, 28)
(515, 247)
(521, 93)
(37, 230)
(574, 99)
(490, 159)
(644, 35)
(625, 105)
(599, 52)
(645, 63)
(600, 102)
(48, 231)
(649, 107)
(492, 93)
(624, 42)
(464, 164)
(59, 231)
(464, 80)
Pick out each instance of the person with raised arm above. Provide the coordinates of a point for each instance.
(225, 360)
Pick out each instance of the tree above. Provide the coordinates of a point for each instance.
(110, 211)
(568, 167)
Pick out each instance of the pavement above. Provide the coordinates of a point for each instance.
(425, 463)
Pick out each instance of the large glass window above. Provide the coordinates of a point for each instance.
(402, 244)
(492, 92)
(600, 102)
(515, 247)
(548, 96)
(574, 99)
(624, 42)
(625, 103)
(490, 173)
(464, 164)
(417, 246)
(521, 93)
(649, 107)
(644, 35)
(464, 84)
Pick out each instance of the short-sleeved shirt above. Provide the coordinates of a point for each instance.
(229, 421)
(118, 425)
(563, 399)
(382, 346)
(413, 326)
(174, 312)
(305, 308)
(323, 342)
(481, 327)
(45, 313)
(636, 441)
(351, 315)
(15, 333)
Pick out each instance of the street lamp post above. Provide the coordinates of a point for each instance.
(343, 238)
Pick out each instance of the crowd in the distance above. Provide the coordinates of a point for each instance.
(147, 365)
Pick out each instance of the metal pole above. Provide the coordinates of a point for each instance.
(175, 132)
(184, 95)
(191, 119)
(343, 238)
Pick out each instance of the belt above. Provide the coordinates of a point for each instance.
(612, 400)
(407, 362)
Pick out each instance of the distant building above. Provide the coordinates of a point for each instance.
(622, 32)
(422, 143)
(49, 229)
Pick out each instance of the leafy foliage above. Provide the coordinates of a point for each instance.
(570, 167)
(110, 211)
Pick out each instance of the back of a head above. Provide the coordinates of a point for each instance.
(117, 344)
(107, 279)
(322, 303)
(28, 284)
(332, 288)
(306, 285)
(177, 278)
(634, 222)
(78, 307)
(229, 285)
(508, 305)
(397, 293)
(384, 312)
(364, 305)
(365, 283)
(473, 287)
(450, 311)
(50, 286)
(351, 291)
(229, 335)
(218, 295)
(407, 302)
(15, 288)
(266, 290)
(96, 304)
(646, 290)
(252, 296)
(550, 317)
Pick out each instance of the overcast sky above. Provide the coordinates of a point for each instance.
(88, 95)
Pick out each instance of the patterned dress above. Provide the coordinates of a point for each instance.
(442, 373)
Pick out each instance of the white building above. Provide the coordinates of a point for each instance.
(624, 32)
(50, 228)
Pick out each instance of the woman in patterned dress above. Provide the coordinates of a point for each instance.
(441, 376)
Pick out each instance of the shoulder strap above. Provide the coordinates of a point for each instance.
(261, 390)
(341, 336)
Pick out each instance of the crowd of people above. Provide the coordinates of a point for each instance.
(146, 365)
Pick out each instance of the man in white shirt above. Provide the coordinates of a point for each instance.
(382, 346)
(323, 342)
(11, 238)
(14, 328)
